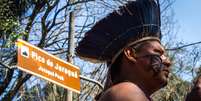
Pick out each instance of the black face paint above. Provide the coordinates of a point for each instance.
(157, 66)
(156, 63)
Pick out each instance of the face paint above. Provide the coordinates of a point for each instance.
(155, 62)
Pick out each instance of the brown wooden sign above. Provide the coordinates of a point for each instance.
(38, 62)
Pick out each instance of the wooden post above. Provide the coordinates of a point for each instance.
(71, 46)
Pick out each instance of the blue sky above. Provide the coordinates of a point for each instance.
(188, 16)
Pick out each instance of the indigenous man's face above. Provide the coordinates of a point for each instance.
(154, 64)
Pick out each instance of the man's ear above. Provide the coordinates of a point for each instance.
(130, 54)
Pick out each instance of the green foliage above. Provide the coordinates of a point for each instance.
(9, 24)
(8, 21)
(16, 8)
(176, 90)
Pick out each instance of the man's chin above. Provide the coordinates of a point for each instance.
(164, 84)
(163, 81)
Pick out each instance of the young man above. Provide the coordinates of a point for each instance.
(129, 41)
(142, 71)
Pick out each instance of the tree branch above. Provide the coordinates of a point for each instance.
(183, 46)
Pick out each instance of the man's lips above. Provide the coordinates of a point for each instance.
(166, 70)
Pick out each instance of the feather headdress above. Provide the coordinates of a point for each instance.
(132, 23)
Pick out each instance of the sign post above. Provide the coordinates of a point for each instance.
(36, 61)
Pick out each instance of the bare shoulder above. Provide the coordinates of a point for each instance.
(125, 91)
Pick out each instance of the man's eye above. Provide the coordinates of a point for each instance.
(159, 52)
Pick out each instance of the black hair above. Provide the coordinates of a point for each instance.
(113, 70)
(116, 68)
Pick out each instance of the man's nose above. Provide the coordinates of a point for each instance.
(166, 61)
